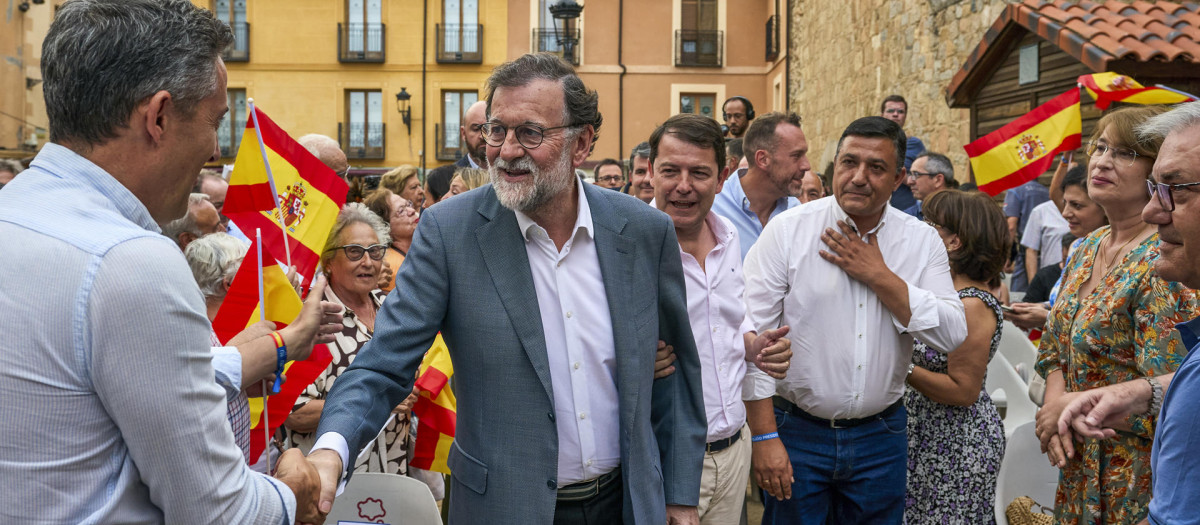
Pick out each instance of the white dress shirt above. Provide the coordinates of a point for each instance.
(580, 346)
(850, 354)
(718, 318)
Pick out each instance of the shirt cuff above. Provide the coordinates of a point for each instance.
(757, 384)
(286, 496)
(922, 309)
(337, 443)
(227, 366)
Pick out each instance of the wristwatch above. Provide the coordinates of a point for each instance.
(1156, 396)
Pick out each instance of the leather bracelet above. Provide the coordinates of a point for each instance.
(1156, 396)
(280, 360)
(764, 437)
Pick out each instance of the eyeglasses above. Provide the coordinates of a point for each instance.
(609, 178)
(1122, 156)
(913, 174)
(530, 136)
(344, 173)
(355, 252)
(1163, 193)
(401, 209)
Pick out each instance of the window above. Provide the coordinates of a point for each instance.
(229, 136)
(362, 38)
(362, 134)
(454, 104)
(698, 104)
(547, 38)
(459, 38)
(698, 42)
(233, 12)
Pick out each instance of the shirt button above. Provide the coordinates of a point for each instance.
(577, 366)
(550, 415)
(589, 462)
(714, 329)
(855, 396)
(568, 315)
(860, 305)
(583, 415)
(551, 484)
(859, 335)
(860, 367)
(558, 265)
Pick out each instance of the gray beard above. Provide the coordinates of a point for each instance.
(529, 197)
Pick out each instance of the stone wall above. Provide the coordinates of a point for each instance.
(847, 55)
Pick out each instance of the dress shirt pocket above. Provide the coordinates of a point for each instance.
(469, 471)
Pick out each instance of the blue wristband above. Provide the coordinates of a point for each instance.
(280, 360)
(764, 437)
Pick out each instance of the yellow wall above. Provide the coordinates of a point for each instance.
(294, 74)
(23, 125)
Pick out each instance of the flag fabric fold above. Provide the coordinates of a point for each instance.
(436, 410)
(1023, 149)
(1106, 88)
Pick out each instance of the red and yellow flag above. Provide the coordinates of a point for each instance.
(309, 194)
(435, 410)
(1110, 87)
(1024, 148)
(240, 310)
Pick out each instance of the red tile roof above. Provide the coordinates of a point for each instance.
(1098, 33)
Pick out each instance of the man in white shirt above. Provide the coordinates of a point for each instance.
(1042, 237)
(856, 280)
(688, 162)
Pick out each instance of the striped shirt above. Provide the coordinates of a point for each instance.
(111, 413)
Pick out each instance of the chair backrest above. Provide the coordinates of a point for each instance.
(1025, 471)
(1016, 346)
(385, 498)
(1018, 408)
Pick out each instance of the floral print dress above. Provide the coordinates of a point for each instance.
(1123, 330)
(954, 452)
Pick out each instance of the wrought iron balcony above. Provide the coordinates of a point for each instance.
(552, 41)
(362, 42)
(239, 51)
(695, 47)
(772, 33)
(459, 43)
(363, 141)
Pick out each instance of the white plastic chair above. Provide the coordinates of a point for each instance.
(1018, 408)
(1016, 346)
(384, 498)
(1025, 471)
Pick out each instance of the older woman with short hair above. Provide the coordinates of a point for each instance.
(351, 261)
(403, 181)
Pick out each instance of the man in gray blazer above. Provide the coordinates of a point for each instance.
(551, 295)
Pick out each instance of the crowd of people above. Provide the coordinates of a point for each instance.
(632, 347)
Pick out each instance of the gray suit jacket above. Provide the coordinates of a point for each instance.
(467, 275)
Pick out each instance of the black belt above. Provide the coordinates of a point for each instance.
(585, 490)
(787, 406)
(722, 444)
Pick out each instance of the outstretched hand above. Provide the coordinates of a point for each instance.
(328, 465)
(299, 475)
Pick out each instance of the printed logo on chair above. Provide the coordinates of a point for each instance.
(370, 509)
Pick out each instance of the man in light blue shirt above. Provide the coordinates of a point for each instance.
(778, 155)
(111, 411)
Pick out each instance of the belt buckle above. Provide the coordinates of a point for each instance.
(833, 424)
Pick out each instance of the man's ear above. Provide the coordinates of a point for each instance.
(761, 159)
(153, 114)
(184, 239)
(900, 177)
(722, 177)
(582, 147)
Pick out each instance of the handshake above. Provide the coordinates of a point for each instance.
(313, 480)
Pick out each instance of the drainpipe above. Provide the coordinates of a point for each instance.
(787, 64)
(621, 80)
(424, 64)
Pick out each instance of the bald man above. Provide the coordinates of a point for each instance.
(472, 138)
(328, 151)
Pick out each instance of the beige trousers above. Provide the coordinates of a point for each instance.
(723, 483)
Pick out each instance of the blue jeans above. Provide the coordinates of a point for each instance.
(843, 475)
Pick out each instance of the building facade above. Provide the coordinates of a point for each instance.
(23, 124)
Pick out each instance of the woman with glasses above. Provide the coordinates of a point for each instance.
(955, 436)
(1113, 321)
(351, 262)
(401, 217)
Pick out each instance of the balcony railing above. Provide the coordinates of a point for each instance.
(363, 141)
(698, 47)
(547, 39)
(239, 51)
(772, 33)
(362, 42)
(440, 149)
(460, 43)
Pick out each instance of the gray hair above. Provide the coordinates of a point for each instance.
(1159, 126)
(641, 150)
(580, 104)
(213, 259)
(101, 58)
(187, 223)
(352, 213)
(938, 163)
(11, 166)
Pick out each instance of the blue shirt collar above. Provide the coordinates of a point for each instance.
(59, 161)
(1188, 332)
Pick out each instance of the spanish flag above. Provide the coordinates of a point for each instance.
(299, 193)
(240, 310)
(1024, 148)
(435, 410)
(1109, 87)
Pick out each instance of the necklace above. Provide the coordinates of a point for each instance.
(1108, 264)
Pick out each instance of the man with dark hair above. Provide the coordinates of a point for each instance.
(687, 155)
(778, 156)
(120, 418)
(610, 173)
(879, 279)
(895, 109)
(641, 183)
(733, 153)
(930, 173)
(531, 282)
(471, 132)
(737, 112)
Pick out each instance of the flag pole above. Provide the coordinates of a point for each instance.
(262, 316)
(262, 148)
(1176, 91)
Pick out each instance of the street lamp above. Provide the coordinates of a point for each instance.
(404, 109)
(565, 13)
